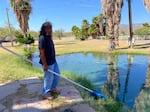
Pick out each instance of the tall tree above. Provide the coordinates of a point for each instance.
(112, 12)
(92, 31)
(98, 21)
(22, 9)
(85, 27)
(85, 24)
(75, 31)
(95, 22)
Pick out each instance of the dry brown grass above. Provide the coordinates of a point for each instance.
(73, 46)
(63, 47)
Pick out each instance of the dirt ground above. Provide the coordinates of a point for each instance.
(25, 96)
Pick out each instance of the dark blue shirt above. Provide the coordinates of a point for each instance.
(47, 44)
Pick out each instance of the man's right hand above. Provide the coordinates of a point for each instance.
(45, 67)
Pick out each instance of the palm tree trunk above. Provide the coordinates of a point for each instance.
(117, 16)
(110, 31)
(111, 10)
(108, 12)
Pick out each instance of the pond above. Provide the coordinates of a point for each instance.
(123, 77)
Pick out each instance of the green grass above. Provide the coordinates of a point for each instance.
(109, 105)
(13, 68)
(79, 79)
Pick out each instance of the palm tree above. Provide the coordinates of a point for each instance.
(147, 4)
(95, 22)
(22, 9)
(98, 21)
(92, 31)
(111, 10)
(85, 27)
(85, 24)
(75, 31)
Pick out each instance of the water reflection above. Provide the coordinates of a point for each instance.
(142, 102)
(111, 87)
(125, 78)
(130, 62)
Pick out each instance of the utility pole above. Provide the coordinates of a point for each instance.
(9, 27)
(130, 22)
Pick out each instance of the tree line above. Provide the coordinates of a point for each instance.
(111, 11)
(97, 28)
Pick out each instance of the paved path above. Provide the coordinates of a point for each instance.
(25, 96)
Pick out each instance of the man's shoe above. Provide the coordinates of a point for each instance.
(54, 92)
(48, 96)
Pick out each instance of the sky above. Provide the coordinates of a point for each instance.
(64, 14)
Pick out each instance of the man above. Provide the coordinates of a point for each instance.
(48, 60)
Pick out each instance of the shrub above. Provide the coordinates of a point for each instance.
(29, 39)
(19, 38)
(24, 40)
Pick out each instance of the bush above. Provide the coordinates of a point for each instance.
(28, 50)
(29, 39)
(19, 38)
(24, 40)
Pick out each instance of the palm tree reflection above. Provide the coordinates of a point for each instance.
(111, 87)
(142, 102)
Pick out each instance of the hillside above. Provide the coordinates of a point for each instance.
(125, 28)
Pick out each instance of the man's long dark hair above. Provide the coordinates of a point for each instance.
(42, 31)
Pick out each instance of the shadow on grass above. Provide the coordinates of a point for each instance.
(137, 46)
(65, 43)
(142, 46)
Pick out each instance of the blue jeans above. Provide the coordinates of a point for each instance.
(50, 79)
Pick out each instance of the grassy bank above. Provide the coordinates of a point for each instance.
(109, 105)
(13, 68)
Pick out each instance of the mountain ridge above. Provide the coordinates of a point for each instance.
(124, 28)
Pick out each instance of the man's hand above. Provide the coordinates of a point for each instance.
(45, 67)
